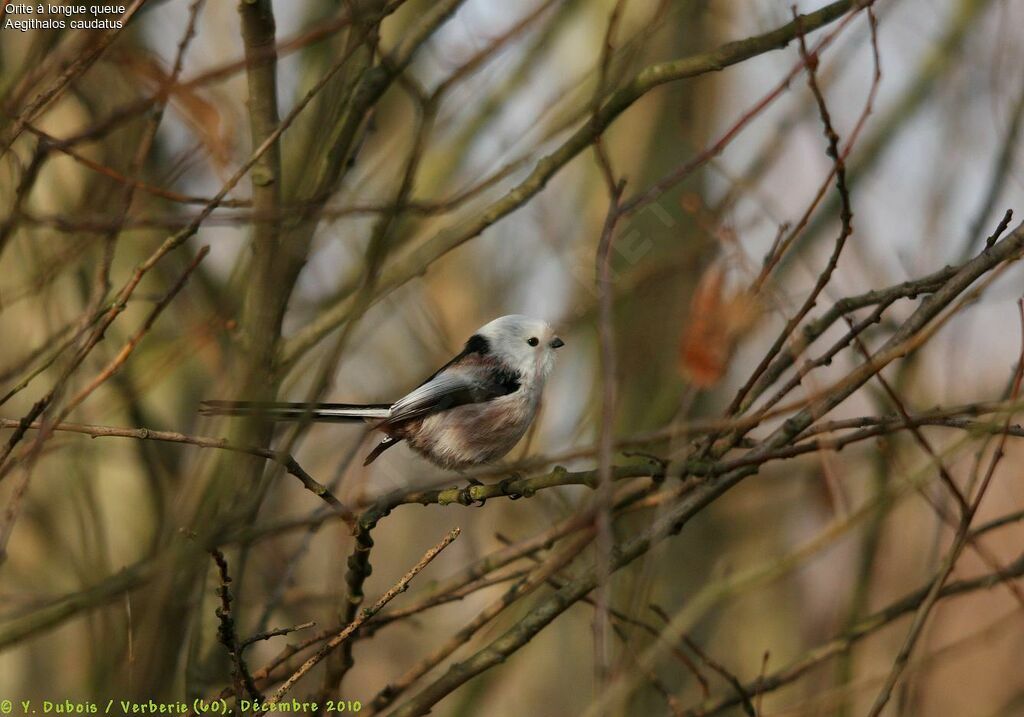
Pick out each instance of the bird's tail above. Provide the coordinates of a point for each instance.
(277, 411)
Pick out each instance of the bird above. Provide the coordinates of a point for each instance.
(471, 411)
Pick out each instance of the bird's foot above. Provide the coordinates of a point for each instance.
(505, 489)
(466, 496)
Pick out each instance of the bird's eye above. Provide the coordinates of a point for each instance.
(532, 341)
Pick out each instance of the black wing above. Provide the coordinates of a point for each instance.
(468, 379)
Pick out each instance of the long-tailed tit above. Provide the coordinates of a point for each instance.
(473, 410)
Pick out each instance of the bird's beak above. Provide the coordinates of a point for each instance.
(556, 343)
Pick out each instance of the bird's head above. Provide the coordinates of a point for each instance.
(522, 343)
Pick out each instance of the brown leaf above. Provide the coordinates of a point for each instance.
(200, 113)
(716, 321)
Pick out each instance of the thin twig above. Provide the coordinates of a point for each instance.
(146, 434)
(227, 634)
(401, 586)
(959, 541)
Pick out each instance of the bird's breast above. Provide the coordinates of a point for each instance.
(474, 433)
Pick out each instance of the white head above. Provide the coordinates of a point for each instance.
(524, 344)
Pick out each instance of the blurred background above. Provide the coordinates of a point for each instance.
(357, 256)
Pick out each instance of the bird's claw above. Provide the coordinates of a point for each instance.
(504, 485)
(466, 498)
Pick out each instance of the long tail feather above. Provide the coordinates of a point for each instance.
(277, 411)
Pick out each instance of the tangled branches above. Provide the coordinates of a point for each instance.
(123, 328)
